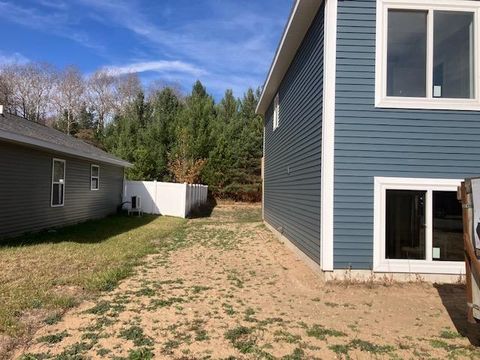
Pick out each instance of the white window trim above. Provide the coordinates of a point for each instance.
(53, 183)
(381, 98)
(380, 264)
(276, 112)
(94, 177)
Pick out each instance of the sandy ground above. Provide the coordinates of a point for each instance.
(225, 288)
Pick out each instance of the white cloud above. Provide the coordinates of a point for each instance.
(161, 66)
(14, 58)
(56, 21)
(235, 44)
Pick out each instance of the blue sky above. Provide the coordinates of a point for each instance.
(224, 43)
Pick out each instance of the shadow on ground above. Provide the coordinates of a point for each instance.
(455, 301)
(204, 211)
(89, 232)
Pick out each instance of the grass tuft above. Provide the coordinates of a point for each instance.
(242, 339)
(321, 332)
(135, 334)
(53, 338)
(140, 354)
(449, 334)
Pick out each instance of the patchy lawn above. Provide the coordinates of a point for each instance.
(42, 275)
(224, 288)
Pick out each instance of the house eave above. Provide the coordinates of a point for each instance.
(44, 145)
(301, 17)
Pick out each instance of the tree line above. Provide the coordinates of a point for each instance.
(167, 135)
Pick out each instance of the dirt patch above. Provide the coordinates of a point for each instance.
(224, 287)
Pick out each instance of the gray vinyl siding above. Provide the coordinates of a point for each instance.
(292, 200)
(25, 190)
(384, 142)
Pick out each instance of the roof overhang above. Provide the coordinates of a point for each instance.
(44, 145)
(301, 17)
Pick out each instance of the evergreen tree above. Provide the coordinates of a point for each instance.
(86, 118)
(191, 140)
(158, 135)
(196, 120)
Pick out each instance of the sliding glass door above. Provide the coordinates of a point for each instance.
(418, 226)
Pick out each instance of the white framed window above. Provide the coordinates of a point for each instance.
(427, 54)
(418, 226)
(58, 183)
(276, 112)
(95, 177)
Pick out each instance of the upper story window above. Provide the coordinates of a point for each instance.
(95, 177)
(426, 55)
(276, 112)
(58, 183)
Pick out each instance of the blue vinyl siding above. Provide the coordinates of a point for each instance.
(292, 199)
(384, 142)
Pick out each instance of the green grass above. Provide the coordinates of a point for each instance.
(161, 303)
(51, 272)
(135, 334)
(199, 288)
(53, 338)
(229, 310)
(285, 336)
(342, 350)
(100, 308)
(140, 354)
(321, 332)
(450, 334)
(298, 354)
(242, 339)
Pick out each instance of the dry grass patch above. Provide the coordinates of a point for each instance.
(49, 272)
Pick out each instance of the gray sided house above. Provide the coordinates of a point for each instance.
(372, 119)
(49, 179)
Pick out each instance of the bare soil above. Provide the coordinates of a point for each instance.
(223, 287)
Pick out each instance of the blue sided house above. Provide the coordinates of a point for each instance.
(372, 120)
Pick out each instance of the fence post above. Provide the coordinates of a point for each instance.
(187, 200)
(155, 197)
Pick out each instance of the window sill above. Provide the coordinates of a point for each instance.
(421, 267)
(428, 104)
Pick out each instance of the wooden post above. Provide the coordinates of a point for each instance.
(472, 264)
(466, 213)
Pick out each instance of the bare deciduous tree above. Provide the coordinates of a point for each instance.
(30, 87)
(6, 90)
(101, 95)
(158, 86)
(128, 87)
(69, 95)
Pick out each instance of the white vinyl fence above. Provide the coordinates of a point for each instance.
(165, 198)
